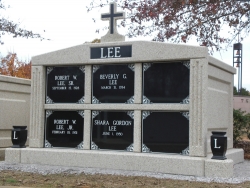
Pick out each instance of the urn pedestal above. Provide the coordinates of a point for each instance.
(219, 145)
(19, 136)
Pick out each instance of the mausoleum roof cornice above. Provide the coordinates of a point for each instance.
(142, 51)
(220, 64)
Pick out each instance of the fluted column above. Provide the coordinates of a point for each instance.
(36, 134)
(198, 103)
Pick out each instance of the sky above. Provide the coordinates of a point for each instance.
(67, 23)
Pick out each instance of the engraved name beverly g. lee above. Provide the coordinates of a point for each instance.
(112, 80)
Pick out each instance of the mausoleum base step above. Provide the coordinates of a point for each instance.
(162, 163)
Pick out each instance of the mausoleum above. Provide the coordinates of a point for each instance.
(132, 105)
(14, 107)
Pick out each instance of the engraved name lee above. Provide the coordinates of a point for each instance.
(112, 128)
(110, 52)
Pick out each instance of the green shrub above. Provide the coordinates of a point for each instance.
(248, 125)
(240, 125)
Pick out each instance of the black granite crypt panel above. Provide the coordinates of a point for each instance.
(65, 84)
(113, 83)
(166, 82)
(112, 130)
(165, 131)
(64, 129)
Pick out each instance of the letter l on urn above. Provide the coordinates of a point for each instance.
(19, 136)
(219, 145)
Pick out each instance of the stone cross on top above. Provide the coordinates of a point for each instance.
(112, 17)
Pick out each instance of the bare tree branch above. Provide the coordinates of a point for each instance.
(180, 20)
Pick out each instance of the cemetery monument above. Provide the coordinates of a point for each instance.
(132, 105)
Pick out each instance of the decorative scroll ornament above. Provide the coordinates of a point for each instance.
(49, 100)
(81, 101)
(145, 114)
(145, 149)
(130, 147)
(132, 67)
(186, 115)
(131, 114)
(185, 151)
(48, 113)
(95, 100)
(95, 68)
(186, 64)
(94, 114)
(131, 100)
(81, 113)
(94, 146)
(80, 146)
(49, 69)
(47, 144)
(82, 68)
(145, 100)
(146, 66)
(186, 100)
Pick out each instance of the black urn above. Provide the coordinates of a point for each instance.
(219, 145)
(19, 136)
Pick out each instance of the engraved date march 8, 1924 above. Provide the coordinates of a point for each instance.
(112, 80)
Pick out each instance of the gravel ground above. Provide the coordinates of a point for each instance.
(241, 172)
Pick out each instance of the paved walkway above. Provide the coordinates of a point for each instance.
(241, 172)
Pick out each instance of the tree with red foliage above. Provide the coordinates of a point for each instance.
(11, 66)
(179, 20)
(24, 70)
